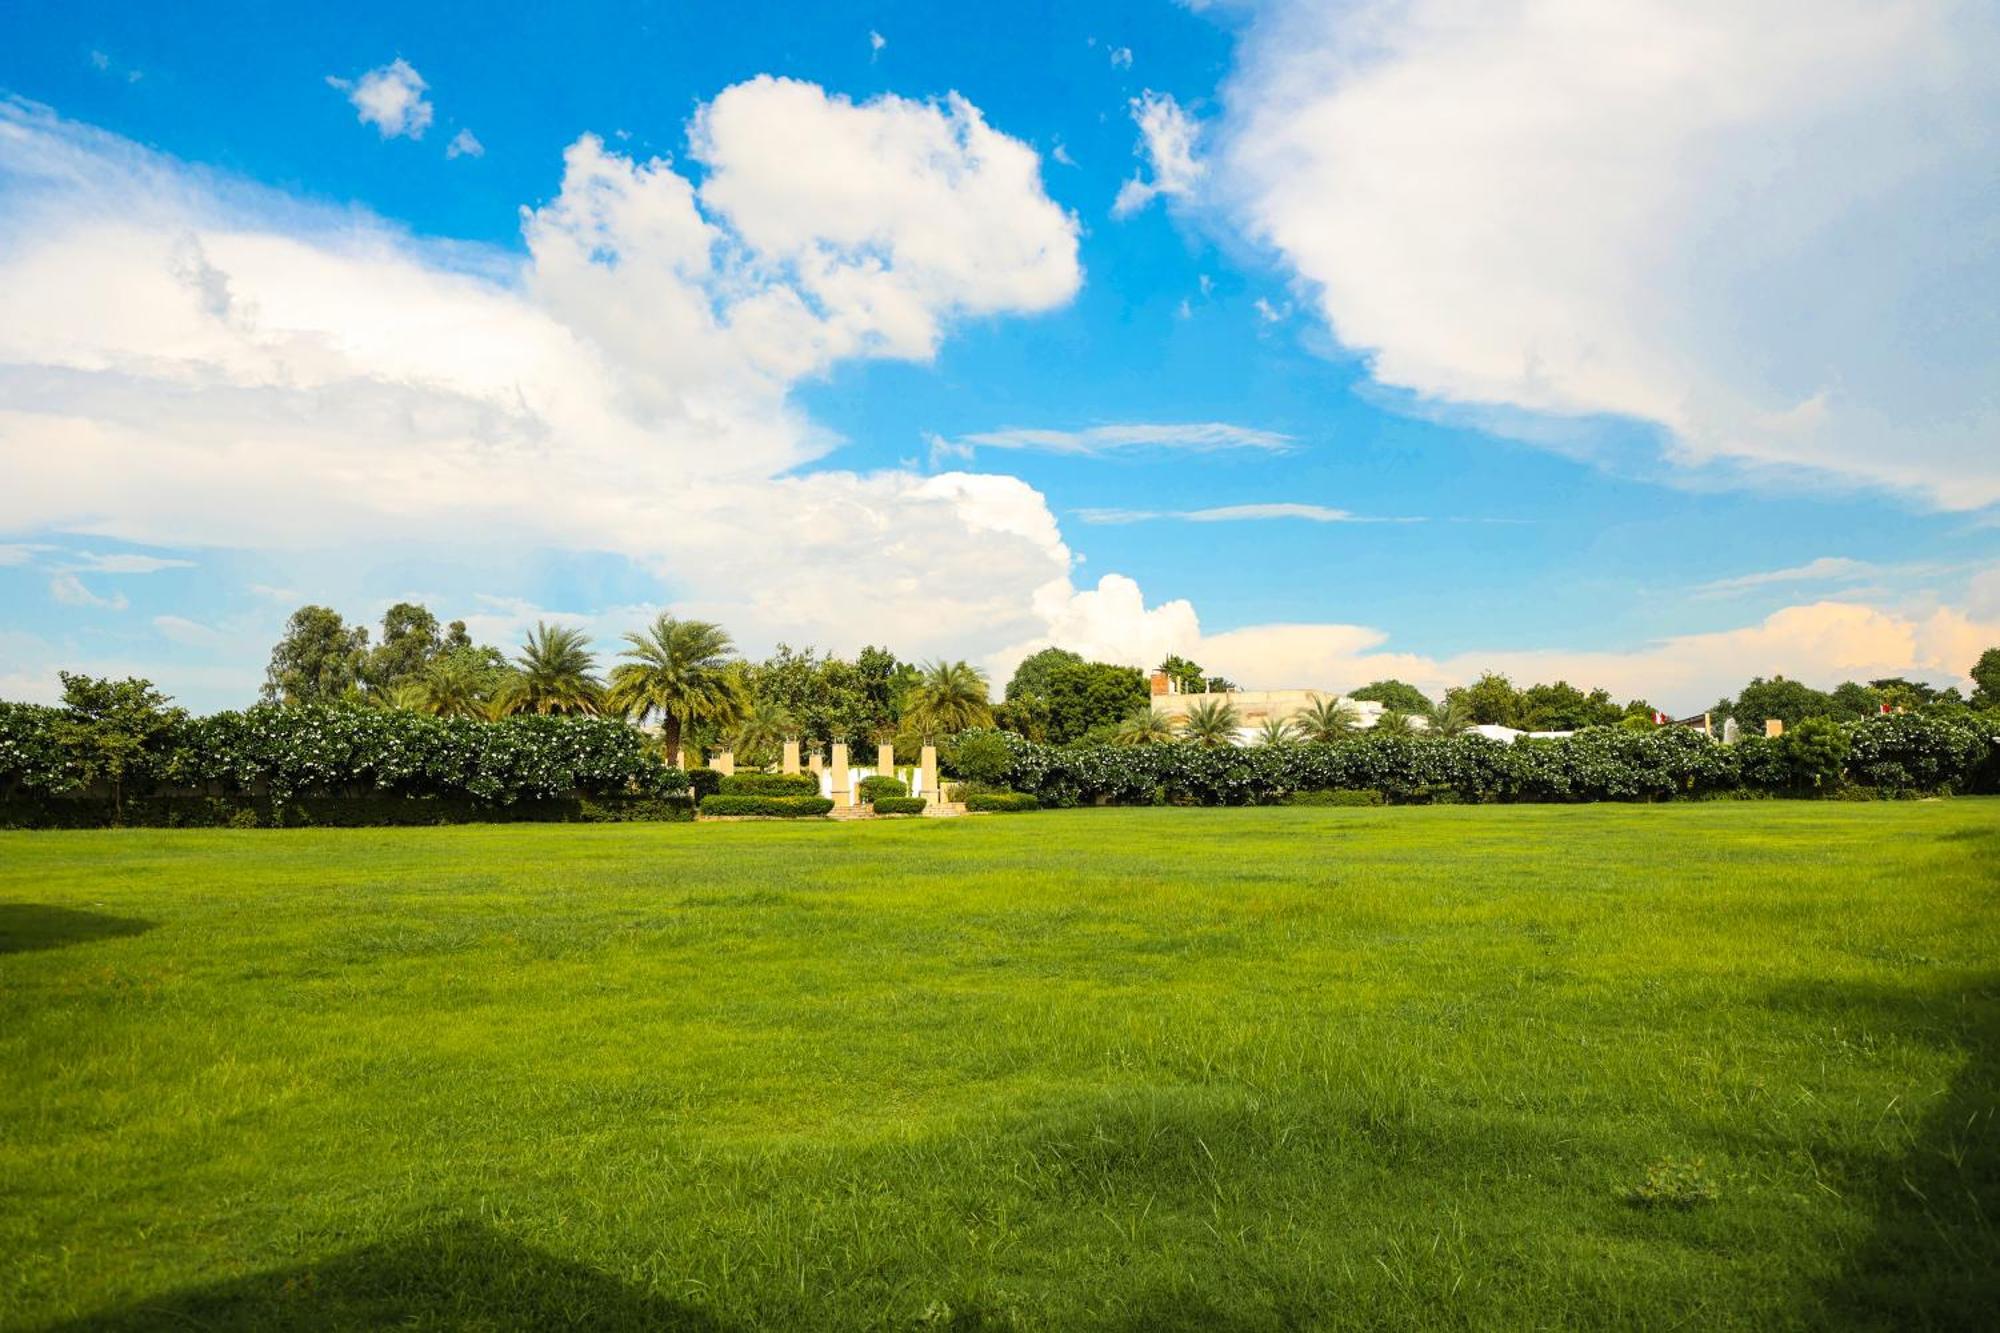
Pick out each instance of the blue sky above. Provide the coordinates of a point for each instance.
(1653, 409)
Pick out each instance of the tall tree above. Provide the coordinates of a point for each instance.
(1144, 727)
(762, 733)
(460, 683)
(554, 673)
(948, 698)
(1034, 674)
(678, 672)
(318, 660)
(1491, 700)
(1789, 701)
(1563, 707)
(409, 642)
(1985, 675)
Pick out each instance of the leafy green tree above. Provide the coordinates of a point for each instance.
(1985, 675)
(949, 697)
(1026, 716)
(1068, 697)
(405, 695)
(828, 697)
(1902, 692)
(1325, 720)
(1563, 707)
(1853, 701)
(110, 729)
(1037, 669)
(1143, 726)
(1212, 722)
(461, 683)
(983, 757)
(409, 641)
(1446, 718)
(1789, 701)
(1187, 676)
(679, 672)
(1396, 694)
(1491, 700)
(319, 659)
(555, 673)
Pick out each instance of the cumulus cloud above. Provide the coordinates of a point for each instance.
(390, 98)
(1765, 226)
(1821, 643)
(1167, 138)
(187, 361)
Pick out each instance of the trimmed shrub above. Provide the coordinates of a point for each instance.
(769, 807)
(899, 805)
(875, 788)
(1000, 802)
(332, 811)
(704, 782)
(770, 784)
(1356, 796)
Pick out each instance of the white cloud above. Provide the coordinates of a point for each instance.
(1167, 138)
(83, 562)
(181, 630)
(1121, 57)
(187, 361)
(465, 144)
(391, 98)
(1310, 513)
(1765, 225)
(1191, 437)
(70, 591)
(1821, 643)
(876, 41)
(1825, 569)
(1060, 154)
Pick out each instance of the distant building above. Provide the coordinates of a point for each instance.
(1255, 707)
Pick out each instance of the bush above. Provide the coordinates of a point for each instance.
(1816, 753)
(769, 807)
(982, 756)
(331, 812)
(770, 784)
(1348, 797)
(704, 782)
(998, 802)
(899, 805)
(875, 788)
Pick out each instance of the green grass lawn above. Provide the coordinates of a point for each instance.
(1137, 1069)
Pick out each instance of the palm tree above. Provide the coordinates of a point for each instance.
(1392, 723)
(455, 685)
(1274, 731)
(553, 674)
(763, 731)
(1325, 720)
(1144, 727)
(948, 698)
(1211, 722)
(1447, 717)
(407, 695)
(679, 672)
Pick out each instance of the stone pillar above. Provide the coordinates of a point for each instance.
(1774, 726)
(816, 763)
(927, 776)
(791, 756)
(842, 798)
(885, 760)
(724, 762)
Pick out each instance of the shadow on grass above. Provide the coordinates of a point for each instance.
(1932, 1259)
(28, 926)
(465, 1275)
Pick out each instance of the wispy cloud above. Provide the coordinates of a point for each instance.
(1167, 140)
(70, 591)
(1199, 437)
(465, 144)
(86, 562)
(1826, 569)
(1309, 513)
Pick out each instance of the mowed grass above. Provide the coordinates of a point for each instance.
(1137, 1069)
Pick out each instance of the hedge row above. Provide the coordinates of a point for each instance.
(1349, 799)
(899, 805)
(61, 812)
(1897, 754)
(770, 784)
(997, 802)
(281, 755)
(774, 807)
(874, 788)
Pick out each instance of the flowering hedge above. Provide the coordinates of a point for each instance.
(280, 755)
(1905, 753)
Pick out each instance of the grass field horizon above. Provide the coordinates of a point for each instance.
(1139, 1069)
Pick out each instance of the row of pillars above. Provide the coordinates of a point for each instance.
(724, 762)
